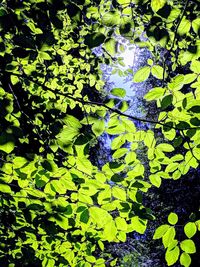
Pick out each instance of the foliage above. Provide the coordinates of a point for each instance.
(57, 207)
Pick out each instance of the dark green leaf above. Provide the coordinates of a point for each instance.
(94, 39)
(166, 101)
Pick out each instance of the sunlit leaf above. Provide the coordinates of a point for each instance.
(157, 4)
(190, 229)
(120, 92)
(188, 246)
(142, 74)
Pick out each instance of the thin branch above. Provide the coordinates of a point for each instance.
(100, 104)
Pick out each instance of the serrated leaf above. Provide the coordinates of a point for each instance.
(190, 229)
(142, 74)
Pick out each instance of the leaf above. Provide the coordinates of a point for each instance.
(172, 256)
(94, 39)
(172, 218)
(168, 237)
(98, 127)
(120, 153)
(165, 147)
(166, 101)
(184, 26)
(111, 18)
(138, 225)
(4, 188)
(110, 231)
(185, 259)
(142, 74)
(7, 143)
(195, 109)
(155, 180)
(84, 216)
(157, 4)
(44, 55)
(188, 246)
(160, 231)
(121, 224)
(155, 93)
(195, 66)
(119, 193)
(157, 71)
(111, 46)
(120, 92)
(190, 229)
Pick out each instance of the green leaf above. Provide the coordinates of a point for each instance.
(155, 93)
(94, 39)
(157, 4)
(111, 46)
(166, 101)
(157, 71)
(185, 259)
(138, 225)
(195, 109)
(155, 180)
(160, 231)
(142, 74)
(172, 218)
(184, 26)
(110, 231)
(44, 55)
(172, 256)
(120, 92)
(190, 229)
(120, 153)
(121, 224)
(188, 246)
(98, 127)
(111, 18)
(4, 188)
(165, 147)
(7, 143)
(168, 237)
(84, 216)
(119, 193)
